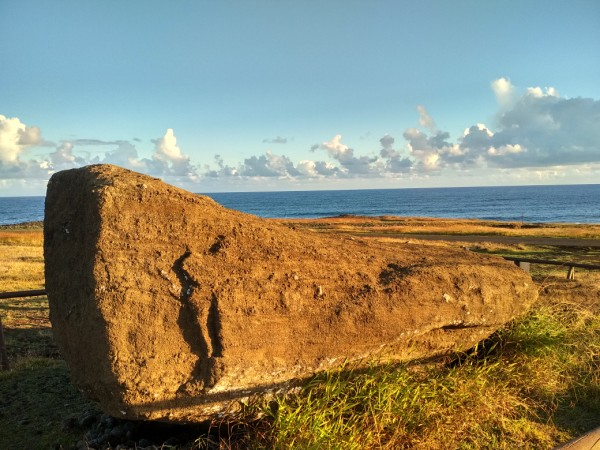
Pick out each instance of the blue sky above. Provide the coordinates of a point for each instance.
(264, 95)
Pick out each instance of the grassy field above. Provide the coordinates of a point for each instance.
(416, 225)
(37, 400)
(533, 384)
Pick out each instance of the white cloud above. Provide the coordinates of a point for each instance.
(335, 148)
(479, 127)
(554, 130)
(269, 165)
(15, 137)
(425, 120)
(63, 155)
(124, 154)
(539, 92)
(504, 91)
(166, 148)
(350, 165)
(505, 150)
(327, 169)
(394, 161)
(168, 159)
(307, 168)
(428, 151)
(535, 131)
(387, 144)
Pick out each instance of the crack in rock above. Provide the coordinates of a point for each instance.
(201, 327)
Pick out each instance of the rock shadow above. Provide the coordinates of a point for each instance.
(200, 325)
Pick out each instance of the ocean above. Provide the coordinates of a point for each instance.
(535, 204)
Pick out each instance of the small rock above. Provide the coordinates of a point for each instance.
(108, 421)
(144, 443)
(91, 435)
(172, 442)
(117, 432)
(88, 418)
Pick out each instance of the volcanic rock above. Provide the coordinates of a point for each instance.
(168, 306)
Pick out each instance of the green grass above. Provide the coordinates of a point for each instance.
(531, 385)
(543, 274)
(39, 406)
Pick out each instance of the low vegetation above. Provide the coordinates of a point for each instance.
(533, 384)
(411, 225)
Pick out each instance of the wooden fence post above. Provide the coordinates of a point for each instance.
(3, 352)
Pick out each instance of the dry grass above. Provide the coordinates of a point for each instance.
(21, 267)
(21, 260)
(415, 225)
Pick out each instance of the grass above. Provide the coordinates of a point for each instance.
(39, 406)
(412, 225)
(533, 384)
(21, 260)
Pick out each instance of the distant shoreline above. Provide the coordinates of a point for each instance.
(23, 225)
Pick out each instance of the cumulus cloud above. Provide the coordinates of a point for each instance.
(430, 152)
(123, 154)
(223, 170)
(269, 165)
(504, 91)
(541, 129)
(387, 144)
(168, 159)
(15, 137)
(63, 157)
(351, 165)
(535, 131)
(395, 161)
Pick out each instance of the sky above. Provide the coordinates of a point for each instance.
(218, 96)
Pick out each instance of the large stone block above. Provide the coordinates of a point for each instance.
(169, 306)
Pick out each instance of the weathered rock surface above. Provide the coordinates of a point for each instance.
(169, 306)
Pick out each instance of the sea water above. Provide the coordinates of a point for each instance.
(564, 203)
